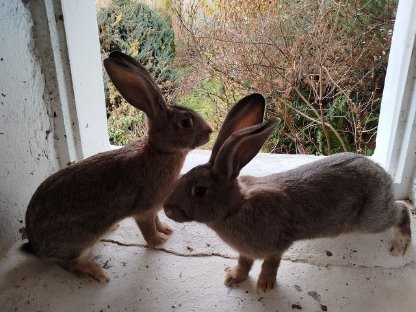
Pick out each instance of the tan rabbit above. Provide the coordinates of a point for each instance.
(262, 216)
(74, 207)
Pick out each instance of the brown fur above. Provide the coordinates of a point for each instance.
(262, 216)
(74, 207)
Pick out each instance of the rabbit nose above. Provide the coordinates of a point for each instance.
(208, 131)
(169, 210)
(176, 213)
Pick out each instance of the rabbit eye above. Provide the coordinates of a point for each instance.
(199, 191)
(186, 123)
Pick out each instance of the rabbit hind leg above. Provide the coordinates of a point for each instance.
(82, 266)
(401, 231)
(86, 268)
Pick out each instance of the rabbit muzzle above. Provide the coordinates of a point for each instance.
(203, 138)
(176, 213)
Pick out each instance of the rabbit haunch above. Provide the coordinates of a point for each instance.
(262, 216)
(74, 207)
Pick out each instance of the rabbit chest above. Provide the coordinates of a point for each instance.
(255, 237)
(156, 174)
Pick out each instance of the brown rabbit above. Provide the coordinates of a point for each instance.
(262, 216)
(74, 207)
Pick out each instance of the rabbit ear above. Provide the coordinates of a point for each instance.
(135, 84)
(241, 147)
(248, 111)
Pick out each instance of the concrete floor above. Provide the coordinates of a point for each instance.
(349, 273)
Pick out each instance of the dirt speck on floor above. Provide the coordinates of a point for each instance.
(315, 295)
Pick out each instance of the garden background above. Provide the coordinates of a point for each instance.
(320, 64)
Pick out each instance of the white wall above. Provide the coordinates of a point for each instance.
(396, 133)
(52, 108)
(27, 152)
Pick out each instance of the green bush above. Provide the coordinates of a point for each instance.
(125, 124)
(139, 31)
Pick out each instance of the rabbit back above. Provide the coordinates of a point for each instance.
(74, 207)
(341, 193)
(346, 190)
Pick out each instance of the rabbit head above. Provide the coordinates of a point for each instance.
(170, 127)
(210, 192)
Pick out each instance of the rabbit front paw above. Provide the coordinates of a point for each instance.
(164, 228)
(266, 283)
(156, 239)
(233, 276)
(154, 231)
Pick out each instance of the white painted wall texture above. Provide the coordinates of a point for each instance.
(52, 98)
(26, 136)
(396, 135)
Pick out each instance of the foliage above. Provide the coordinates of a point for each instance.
(206, 99)
(125, 124)
(142, 33)
(321, 64)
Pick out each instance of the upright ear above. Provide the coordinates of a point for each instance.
(241, 147)
(248, 111)
(135, 84)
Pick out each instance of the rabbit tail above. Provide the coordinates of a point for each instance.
(27, 248)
